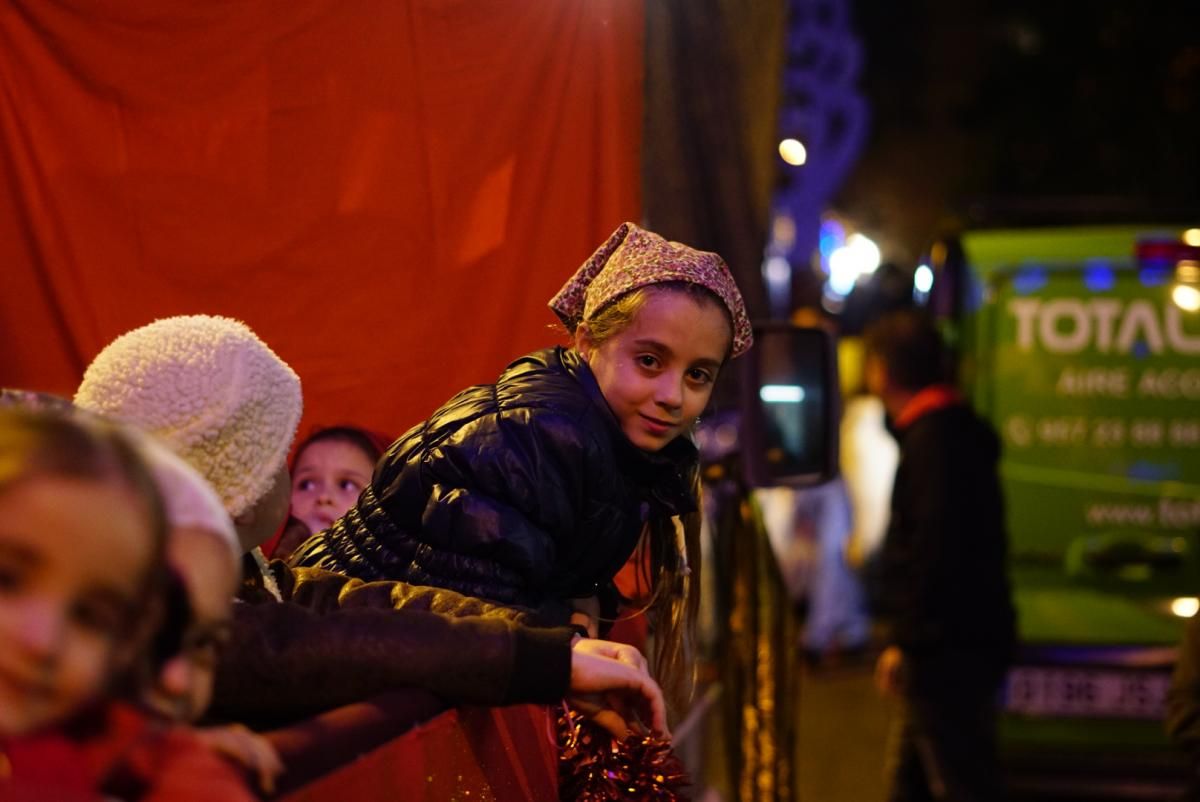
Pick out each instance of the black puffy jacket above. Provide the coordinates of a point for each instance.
(523, 492)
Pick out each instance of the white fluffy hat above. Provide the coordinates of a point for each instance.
(211, 390)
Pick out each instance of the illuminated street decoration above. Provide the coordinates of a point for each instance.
(822, 124)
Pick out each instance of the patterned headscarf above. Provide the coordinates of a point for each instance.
(632, 258)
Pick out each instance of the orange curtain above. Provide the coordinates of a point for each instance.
(387, 191)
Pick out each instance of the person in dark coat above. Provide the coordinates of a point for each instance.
(944, 563)
(533, 491)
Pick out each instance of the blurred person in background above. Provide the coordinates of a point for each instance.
(944, 572)
(837, 625)
(867, 457)
(204, 558)
(1183, 706)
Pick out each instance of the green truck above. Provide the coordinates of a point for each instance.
(1082, 347)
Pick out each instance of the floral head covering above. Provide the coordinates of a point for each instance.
(632, 258)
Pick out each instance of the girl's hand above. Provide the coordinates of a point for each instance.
(610, 682)
(246, 748)
(606, 717)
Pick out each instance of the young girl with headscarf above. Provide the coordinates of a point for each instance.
(534, 491)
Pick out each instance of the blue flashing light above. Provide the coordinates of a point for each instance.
(1152, 471)
(923, 279)
(1029, 280)
(1155, 276)
(832, 235)
(1099, 277)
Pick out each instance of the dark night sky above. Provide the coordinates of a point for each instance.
(1020, 102)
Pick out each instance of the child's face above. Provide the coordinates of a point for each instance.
(74, 555)
(657, 375)
(327, 480)
(209, 574)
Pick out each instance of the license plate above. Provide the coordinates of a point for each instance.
(1037, 691)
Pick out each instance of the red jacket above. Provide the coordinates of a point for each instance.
(116, 751)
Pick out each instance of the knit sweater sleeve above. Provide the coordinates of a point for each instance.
(285, 661)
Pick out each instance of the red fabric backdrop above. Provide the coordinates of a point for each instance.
(493, 754)
(388, 191)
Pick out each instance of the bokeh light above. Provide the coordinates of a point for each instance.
(793, 152)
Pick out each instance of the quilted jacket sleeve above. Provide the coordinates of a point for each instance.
(506, 490)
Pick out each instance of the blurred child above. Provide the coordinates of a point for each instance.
(534, 491)
(204, 556)
(75, 581)
(81, 566)
(329, 469)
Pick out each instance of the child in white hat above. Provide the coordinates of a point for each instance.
(218, 397)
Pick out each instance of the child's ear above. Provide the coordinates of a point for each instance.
(583, 341)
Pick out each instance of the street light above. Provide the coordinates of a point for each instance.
(793, 152)
(923, 279)
(1186, 297)
(858, 257)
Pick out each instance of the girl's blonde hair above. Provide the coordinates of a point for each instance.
(611, 320)
(675, 603)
